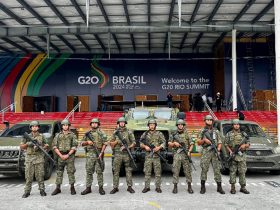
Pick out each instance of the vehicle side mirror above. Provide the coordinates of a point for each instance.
(7, 124)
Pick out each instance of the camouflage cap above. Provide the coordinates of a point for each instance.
(95, 120)
(65, 122)
(121, 119)
(34, 123)
(235, 121)
(180, 122)
(208, 117)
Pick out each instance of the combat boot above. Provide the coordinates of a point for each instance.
(25, 195)
(175, 189)
(129, 189)
(72, 190)
(158, 190)
(43, 193)
(219, 188)
(190, 190)
(203, 189)
(114, 190)
(57, 190)
(243, 189)
(146, 189)
(86, 191)
(232, 190)
(101, 191)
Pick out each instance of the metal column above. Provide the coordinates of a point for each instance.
(48, 44)
(169, 44)
(180, 11)
(277, 55)
(234, 80)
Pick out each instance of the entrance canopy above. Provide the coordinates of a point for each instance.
(129, 26)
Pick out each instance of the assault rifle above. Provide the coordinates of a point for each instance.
(214, 146)
(99, 160)
(152, 150)
(35, 142)
(183, 149)
(236, 149)
(124, 143)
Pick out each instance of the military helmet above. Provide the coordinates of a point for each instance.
(208, 117)
(235, 121)
(34, 123)
(94, 120)
(121, 119)
(152, 121)
(180, 122)
(65, 122)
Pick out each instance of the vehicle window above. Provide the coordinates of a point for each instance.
(252, 130)
(141, 114)
(216, 125)
(56, 129)
(19, 129)
(163, 114)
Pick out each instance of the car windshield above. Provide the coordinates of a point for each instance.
(163, 114)
(19, 129)
(141, 114)
(251, 130)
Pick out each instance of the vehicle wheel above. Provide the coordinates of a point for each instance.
(48, 169)
(225, 171)
(275, 172)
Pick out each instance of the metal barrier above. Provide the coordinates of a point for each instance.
(241, 96)
(10, 107)
(270, 103)
(262, 105)
(210, 111)
(72, 112)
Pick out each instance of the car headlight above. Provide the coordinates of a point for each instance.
(277, 150)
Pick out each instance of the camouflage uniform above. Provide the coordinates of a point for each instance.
(155, 138)
(208, 156)
(91, 157)
(34, 163)
(64, 143)
(122, 157)
(233, 138)
(180, 158)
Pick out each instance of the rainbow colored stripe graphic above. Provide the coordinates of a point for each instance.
(25, 76)
(97, 70)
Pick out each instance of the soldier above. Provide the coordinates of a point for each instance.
(65, 145)
(176, 141)
(233, 139)
(34, 160)
(155, 138)
(208, 154)
(92, 163)
(121, 155)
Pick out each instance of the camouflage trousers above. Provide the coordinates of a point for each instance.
(70, 168)
(242, 168)
(118, 160)
(208, 157)
(30, 170)
(151, 162)
(181, 159)
(92, 166)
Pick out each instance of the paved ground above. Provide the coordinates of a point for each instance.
(263, 195)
